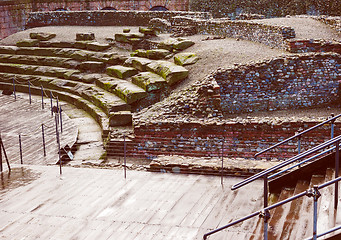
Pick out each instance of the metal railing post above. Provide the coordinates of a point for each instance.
(20, 148)
(332, 127)
(61, 120)
(42, 97)
(337, 165)
(299, 144)
(222, 163)
(125, 159)
(1, 168)
(51, 103)
(15, 95)
(266, 212)
(29, 91)
(316, 195)
(58, 141)
(42, 132)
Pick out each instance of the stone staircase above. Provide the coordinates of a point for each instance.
(294, 220)
(89, 75)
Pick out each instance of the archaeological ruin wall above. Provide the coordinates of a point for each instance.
(104, 18)
(14, 14)
(290, 82)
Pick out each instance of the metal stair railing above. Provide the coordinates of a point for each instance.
(264, 174)
(264, 213)
(301, 158)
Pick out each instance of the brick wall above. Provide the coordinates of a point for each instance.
(242, 139)
(311, 45)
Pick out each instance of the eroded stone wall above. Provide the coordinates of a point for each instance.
(291, 82)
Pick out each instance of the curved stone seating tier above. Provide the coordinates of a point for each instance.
(76, 54)
(40, 60)
(128, 91)
(94, 111)
(104, 100)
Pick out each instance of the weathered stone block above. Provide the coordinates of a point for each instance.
(92, 66)
(183, 59)
(182, 44)
(120, 118)
(149, 81)
(121, 71)
(85, 36)
(140, 63)
(117, 59)
(28, 43)
(42, 36)
(139, 53)
(157, 54)
(148, 31)
(96, 46)
(171, 72)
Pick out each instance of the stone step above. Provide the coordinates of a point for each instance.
(127, 91)
(171, 72)
(106, 101)
(94, 111)
(294, 212)
(40, 60)
(278, 215)
(303, 226)
(48, 71)
(326, 215)
(73, 53)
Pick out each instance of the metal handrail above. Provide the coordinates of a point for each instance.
(298, 135)
(300, 163)
(313, 192)
(287, 162)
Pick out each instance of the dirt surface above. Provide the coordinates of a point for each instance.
(305, 27)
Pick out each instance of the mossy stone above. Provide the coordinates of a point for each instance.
(149, 81)
(96, 46)
(182, 44)
(171, 72)
(42, 36)
(148, 31)
(121, 71)
(139, 53)
(183, 59)
(28, 43)
(157, 54)
(140, 63)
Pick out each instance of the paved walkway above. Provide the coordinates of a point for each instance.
(20, 117)
(37, 203)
